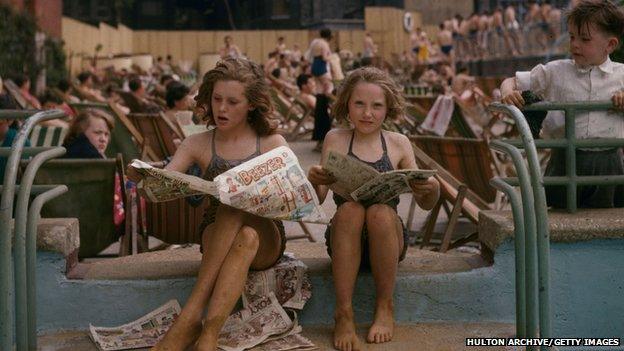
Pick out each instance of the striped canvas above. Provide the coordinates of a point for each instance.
(47, 136)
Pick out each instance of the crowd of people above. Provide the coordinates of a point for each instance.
(502, 32)
(235, 100)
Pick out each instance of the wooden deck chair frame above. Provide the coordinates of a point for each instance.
(461, 157)
(15, 93)
(158, 133)
(463, 202)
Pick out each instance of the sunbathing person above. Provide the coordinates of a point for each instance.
(236, 100)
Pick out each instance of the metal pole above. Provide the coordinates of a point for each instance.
(530, 248)
(516, 208)
(19, 245)
(34, 213)
(6, 215)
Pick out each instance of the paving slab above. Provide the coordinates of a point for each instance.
(420, 336)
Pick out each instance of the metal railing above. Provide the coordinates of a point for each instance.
(532, 238)
(25, 231)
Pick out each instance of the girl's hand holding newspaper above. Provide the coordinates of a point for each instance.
(426, 192)
(318, 176)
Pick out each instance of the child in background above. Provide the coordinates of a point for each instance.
(594, 26)
(371, 234)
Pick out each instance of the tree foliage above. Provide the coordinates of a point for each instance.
(18, 53)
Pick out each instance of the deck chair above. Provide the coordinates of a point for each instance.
(158, 132)
(463, 201)
(293, 115)
(91, 184)
(125, 137)
(16, 95)
(47, 136)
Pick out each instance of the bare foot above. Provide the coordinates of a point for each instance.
(345, 338)
(180, 335)
(383, 326)
(210, 335)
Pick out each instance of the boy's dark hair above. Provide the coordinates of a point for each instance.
(302, 80)
(63, 85)
(326, 33)
(48, 96)
(605, 14)
(82, 77)
(135, 84)
(175, 91)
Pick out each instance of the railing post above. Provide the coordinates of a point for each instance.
(6, 216)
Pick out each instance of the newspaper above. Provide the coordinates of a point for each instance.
(272, 185)
(287, 279)
(261, 325)
(254, 324)
(143, 332)
(357, 181)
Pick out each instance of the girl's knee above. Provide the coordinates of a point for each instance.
(351, 208)
(380, 213)
(247, 239)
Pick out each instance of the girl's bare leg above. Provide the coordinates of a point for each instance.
(385, 242)
(256, 245)
(346, 250)
(216, 245)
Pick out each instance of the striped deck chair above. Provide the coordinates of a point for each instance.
(47, 136)
(468, 160)
(158, 133)
(293, 114)
(463, 201)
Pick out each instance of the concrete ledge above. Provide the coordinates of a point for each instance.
(61, 235)
(184, 262)
(584, 225)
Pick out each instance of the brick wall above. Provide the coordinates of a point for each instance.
(48, 13)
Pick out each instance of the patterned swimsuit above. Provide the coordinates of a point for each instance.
(382, 165)
(219, 165)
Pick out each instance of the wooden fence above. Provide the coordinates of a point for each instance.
(385, 25)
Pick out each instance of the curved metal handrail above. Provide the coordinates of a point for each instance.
(19, 246)
(539, 206)
(6, 215)
(34, 213)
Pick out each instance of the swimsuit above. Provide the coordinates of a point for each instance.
(219, 165)
(319, 66)
(382, 165)
(446, 49)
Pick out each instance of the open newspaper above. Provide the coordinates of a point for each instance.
(143, 332)
(272, 185)
(357, 181)
(262, 324)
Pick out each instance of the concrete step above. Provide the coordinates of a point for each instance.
(419, 336)
(583, 225)
(185, 261)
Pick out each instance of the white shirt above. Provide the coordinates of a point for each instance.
(564, 81)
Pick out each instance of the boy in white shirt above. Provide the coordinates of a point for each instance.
(594, 26)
